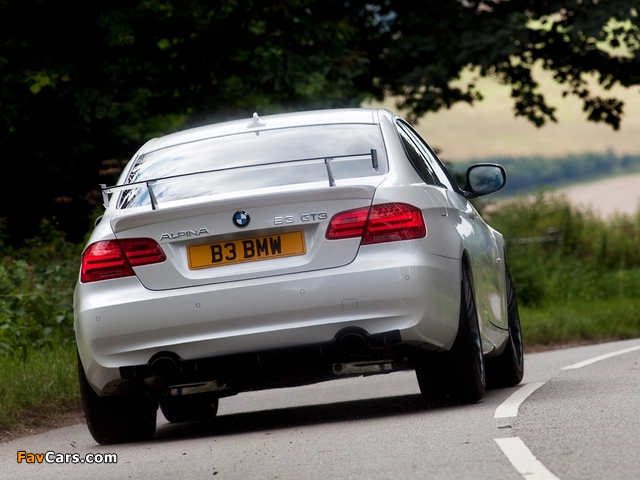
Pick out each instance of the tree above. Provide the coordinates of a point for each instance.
(85, 81)
(428, 43)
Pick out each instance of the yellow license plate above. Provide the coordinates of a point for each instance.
(246, 250)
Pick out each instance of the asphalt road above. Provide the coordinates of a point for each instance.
(560, 423)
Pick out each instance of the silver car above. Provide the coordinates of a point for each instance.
(286, 250)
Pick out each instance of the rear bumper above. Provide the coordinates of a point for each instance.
(119, 323)
(166, 373)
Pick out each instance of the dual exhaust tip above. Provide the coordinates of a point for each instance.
(352, 342)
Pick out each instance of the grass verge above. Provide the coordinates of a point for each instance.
(581, 322)
(38, 392)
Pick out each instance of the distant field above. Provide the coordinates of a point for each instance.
(605, 198)
(489, 128)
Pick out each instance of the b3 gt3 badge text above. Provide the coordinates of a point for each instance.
(305, 217)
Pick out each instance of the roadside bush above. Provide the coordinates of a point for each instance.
(577, 278)
(36, 293)
(559, 254)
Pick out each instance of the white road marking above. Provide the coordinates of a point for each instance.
(601, 357)
(523, 460)
(509, 408)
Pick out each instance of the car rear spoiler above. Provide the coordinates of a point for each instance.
(106, 191)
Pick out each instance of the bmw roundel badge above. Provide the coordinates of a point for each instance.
(241, 218)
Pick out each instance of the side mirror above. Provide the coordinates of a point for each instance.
(483, 179)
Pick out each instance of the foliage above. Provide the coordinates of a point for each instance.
(527, 173)
(38, 377)
(91, 81)
(562, 256)
(429, 43)
(82, 83)
(36, 293)
(577, 277)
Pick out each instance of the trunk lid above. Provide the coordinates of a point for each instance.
(284, 234)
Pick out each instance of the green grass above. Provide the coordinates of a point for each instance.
(581, 322)
(38, 379)
(42, 386)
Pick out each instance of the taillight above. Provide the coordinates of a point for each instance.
(388, 222)
(391, 222)
(348, 224)
(115, 258)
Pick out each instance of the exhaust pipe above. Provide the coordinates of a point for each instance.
(164, 367)
(352, 343)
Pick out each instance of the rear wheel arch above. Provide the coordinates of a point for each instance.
(459, 375)
(507, 369)
(465, 263)
(117, 418)
(484, 323)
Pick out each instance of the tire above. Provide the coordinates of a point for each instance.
(507, 369)
(457, 376)
(189, 408)
(117, 418)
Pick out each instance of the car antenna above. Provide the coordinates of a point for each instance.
(256, 122)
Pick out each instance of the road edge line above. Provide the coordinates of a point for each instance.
(584, 363)
(509, 408)
(523, 460)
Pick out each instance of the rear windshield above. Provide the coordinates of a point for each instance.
(257, 159)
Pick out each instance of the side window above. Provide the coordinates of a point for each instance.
(444, 177)
(416, 157)
(442, 172)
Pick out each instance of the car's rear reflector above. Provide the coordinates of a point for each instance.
(115, 258)
(388, 222)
